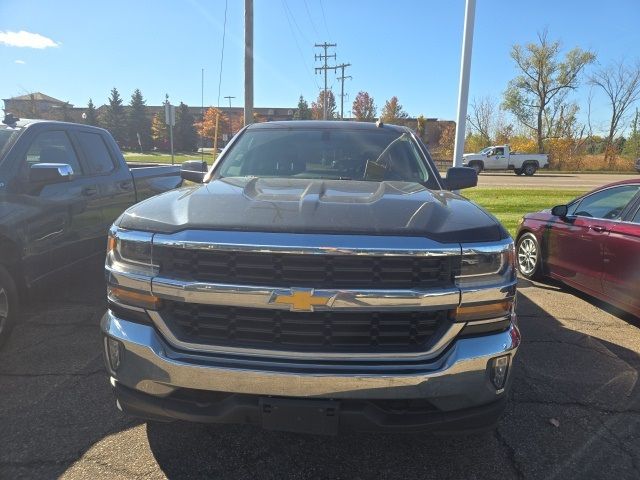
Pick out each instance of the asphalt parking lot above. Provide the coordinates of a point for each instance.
(574, 411)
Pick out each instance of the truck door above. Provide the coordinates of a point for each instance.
(497, 160)
(114, 181)
(63, 218)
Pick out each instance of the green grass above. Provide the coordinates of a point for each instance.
(165, 157)
(510, 204)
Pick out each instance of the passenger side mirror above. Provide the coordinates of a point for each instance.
(50, 173)
(461, 177)
(560, 211)
(194, 171)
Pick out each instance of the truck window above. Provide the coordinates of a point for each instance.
(499, 151)
(96, 152)
(52, 147)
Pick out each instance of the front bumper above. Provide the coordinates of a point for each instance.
(456, 381)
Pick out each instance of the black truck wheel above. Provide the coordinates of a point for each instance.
(529, 169)
(517, 171)
(8, 305)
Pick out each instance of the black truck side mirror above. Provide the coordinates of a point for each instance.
(49, 173)
(461, 177)
(194, 170)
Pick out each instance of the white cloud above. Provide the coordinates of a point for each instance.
(26, 39)
(20, 62)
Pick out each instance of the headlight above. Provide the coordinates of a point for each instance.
(130, 252)
(487, 265)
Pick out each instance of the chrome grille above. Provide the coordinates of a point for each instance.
(310, 271)
(321, 331)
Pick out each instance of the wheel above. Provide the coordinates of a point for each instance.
(8, 305)
(529, 169)
(518, 171)
(477, 166)
(528, 252)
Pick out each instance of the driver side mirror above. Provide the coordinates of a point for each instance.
(49, 173)
(193, 171)
(560, 211)
(461, 177)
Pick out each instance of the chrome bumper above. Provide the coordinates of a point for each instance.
(457, 379)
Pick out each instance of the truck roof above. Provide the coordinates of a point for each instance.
(328, 124)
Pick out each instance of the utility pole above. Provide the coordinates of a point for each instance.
(229, 97)
(463, 92)
(342, 78)
(248, 62)
(324, 68)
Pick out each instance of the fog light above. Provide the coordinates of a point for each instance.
(114, 353)
(499, 371)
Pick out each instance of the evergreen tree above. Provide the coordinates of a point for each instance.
(92, 115)
(114, 118)
(159, 132)
(185, 137)
(138, 123)
(317, 107)
(303, 112)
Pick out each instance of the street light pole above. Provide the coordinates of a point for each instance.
(463, 91)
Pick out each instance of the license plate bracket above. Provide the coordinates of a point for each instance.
(318, 417)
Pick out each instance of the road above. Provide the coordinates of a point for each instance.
(574, 410)
(542, 179)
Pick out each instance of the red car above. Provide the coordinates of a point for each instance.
(592, 244)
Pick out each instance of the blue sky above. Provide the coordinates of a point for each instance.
(407, 48)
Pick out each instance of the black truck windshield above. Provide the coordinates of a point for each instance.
(339, 154)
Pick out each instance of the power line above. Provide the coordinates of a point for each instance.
(224, 33)
(325, 19)
(286, 6)
(313, 25)
(295, 38)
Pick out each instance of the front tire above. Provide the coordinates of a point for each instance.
(528, 256)
(8, 305)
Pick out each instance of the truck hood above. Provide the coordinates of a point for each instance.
(472, 156)
(315, 206)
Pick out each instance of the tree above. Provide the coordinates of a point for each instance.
(536, 96)
(482, 117)
(114, 118)
(159, 132)
(207, 127)
(632, 145)
(392, 111)
(363, 108)
(621, 85)
(185, 137)
(92, 115)
(302, 112)
(421, 126)
(317, 107)
(138, 123)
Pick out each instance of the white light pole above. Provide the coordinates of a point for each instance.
(463, 92)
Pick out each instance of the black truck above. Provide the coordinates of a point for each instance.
(61, 186)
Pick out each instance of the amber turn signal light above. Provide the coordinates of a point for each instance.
(135, 299)
(482, 312)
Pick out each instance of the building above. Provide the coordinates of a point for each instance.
(35, 105)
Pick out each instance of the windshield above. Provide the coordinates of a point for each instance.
(339, 154)
(484, 151)
(7, 135)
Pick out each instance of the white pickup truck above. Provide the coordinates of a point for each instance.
(500, 157)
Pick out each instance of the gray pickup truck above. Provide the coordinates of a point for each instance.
(320, 277)
(61, 187)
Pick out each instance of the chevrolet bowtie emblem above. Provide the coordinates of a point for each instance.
(299, 300)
